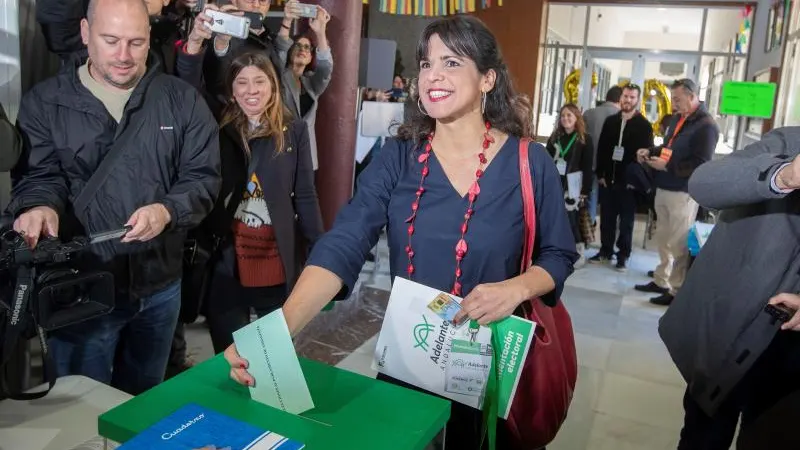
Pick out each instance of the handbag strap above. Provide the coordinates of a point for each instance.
(528, 204)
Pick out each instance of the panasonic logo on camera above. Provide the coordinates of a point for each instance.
(169, 435)
(18, 304)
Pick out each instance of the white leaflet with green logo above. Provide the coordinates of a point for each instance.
(418, 347)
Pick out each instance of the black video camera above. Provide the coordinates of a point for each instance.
(41, 290)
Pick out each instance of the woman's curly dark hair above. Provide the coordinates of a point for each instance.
(468, 37)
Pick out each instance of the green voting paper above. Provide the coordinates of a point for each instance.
(268, 348)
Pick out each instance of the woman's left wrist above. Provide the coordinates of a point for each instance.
(520, 288)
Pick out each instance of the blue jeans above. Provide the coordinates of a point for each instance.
(593, 200)
(127, 348)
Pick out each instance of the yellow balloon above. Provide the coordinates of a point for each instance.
(572, 85)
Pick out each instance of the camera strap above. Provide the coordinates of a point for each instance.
(124, 136)
(19, 314)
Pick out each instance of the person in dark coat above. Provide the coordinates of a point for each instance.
(267, 201)
(623, 134)
(689, 143)
(571, 150)
(735, 356)
(163, 181)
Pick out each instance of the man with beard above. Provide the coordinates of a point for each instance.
(622, 135)
(113, 142)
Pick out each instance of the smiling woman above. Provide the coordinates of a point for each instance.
(267, 195)
(448, 190)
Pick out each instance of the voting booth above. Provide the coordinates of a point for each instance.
(351, 411)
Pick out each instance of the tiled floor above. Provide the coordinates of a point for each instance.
(629, 393)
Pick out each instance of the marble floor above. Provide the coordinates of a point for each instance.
(629, 393)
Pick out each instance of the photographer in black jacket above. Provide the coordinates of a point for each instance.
(690, 141)
(115, 142)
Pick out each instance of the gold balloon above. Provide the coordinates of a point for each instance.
(663, 102)
(572, 85)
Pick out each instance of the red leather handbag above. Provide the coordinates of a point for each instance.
(550, 371)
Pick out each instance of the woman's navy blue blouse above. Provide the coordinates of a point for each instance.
(386, 190)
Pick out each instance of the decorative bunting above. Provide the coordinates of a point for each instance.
(744, 30)
(430, 8)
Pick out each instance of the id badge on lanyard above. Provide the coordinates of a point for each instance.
(561, 163)
(619, 150)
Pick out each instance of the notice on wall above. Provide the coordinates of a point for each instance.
(748, 99)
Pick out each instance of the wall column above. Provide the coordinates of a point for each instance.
(336, 115)
(520, 27)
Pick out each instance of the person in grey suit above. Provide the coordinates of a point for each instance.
(307, 71)
(594, 119)
(723, 329)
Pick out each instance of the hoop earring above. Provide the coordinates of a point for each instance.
(483, 102)
(419, 105)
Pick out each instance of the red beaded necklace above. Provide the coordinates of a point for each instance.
(474, 190)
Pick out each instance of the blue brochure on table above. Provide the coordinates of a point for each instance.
(194, 427)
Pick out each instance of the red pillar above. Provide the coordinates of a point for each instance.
(336, 115)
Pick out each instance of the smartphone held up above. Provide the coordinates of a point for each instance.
(230, 24)
(306, 10)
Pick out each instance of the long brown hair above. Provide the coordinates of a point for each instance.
(467, 36)
(580, 125)
(273, 120)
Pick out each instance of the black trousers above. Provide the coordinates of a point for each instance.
(616, 202)
(229, 305)
(774, 376)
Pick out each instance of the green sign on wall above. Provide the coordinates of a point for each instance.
(748, 99)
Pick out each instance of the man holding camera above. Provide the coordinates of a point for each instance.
(114, 142)
(690, 142)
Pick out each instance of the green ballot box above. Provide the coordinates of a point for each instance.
(351, 411)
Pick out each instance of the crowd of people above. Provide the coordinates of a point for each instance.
(183, 134)
(217, 136)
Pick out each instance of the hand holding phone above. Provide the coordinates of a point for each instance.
(305, 10)
(228, 23)
(785, 306)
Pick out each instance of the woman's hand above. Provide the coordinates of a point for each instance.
(290, 12)
(238, 367)
(491, 302)
(319, 24)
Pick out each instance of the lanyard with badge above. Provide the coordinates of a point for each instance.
(561, 163)
(619, 150)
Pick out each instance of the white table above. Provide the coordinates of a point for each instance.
(64, 418)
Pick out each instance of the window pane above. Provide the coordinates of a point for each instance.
(722, 30)
(566, 23)
(645, 27)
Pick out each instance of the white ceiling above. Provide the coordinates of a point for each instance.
(636, 18)
(641, 18)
